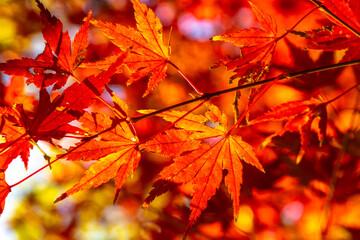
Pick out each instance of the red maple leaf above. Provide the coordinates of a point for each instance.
(114, 149)
(330, 38)
(203, 166)
(299, 116)
(347, 11)
(13, 138)
(340, 35)
(257, 46)
(59, 58)
(4, 190)
(21, 130)
(310, 83)
(148, 52)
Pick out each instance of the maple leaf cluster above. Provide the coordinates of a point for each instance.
(294, 149)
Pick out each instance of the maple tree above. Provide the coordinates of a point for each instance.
(282, 155)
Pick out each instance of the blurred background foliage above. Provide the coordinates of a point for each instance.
(287, 202)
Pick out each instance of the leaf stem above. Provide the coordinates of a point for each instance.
(177, 120)
(101, 100)
(32, 174)
(342, 94)
(327, 11)
(61, 156)
(47, 157)
(296, 24)
(186, 78)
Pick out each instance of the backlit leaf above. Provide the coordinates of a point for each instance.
(58, 60)
(203, 166)
(299, 116)
(257, 46)
(4, 190)
(148, 53)
(114, 150)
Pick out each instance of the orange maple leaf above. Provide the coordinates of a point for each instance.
(172, 143)
(203, 166)
(257, 46)
(148, 52)
(113, 147)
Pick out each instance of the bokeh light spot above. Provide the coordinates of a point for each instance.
(7, 31)
(244, 18)
(245, 219)
(166, 13)
(291, 213)
(198, 29)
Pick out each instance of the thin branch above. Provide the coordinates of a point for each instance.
(251, 105)
(46, 157)
(100, 99)
(177, 120)
(279, 78)
(206, 96)
(342, 94)
(296, 24)
(61, 156)
(186, 78)
(327, 11)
